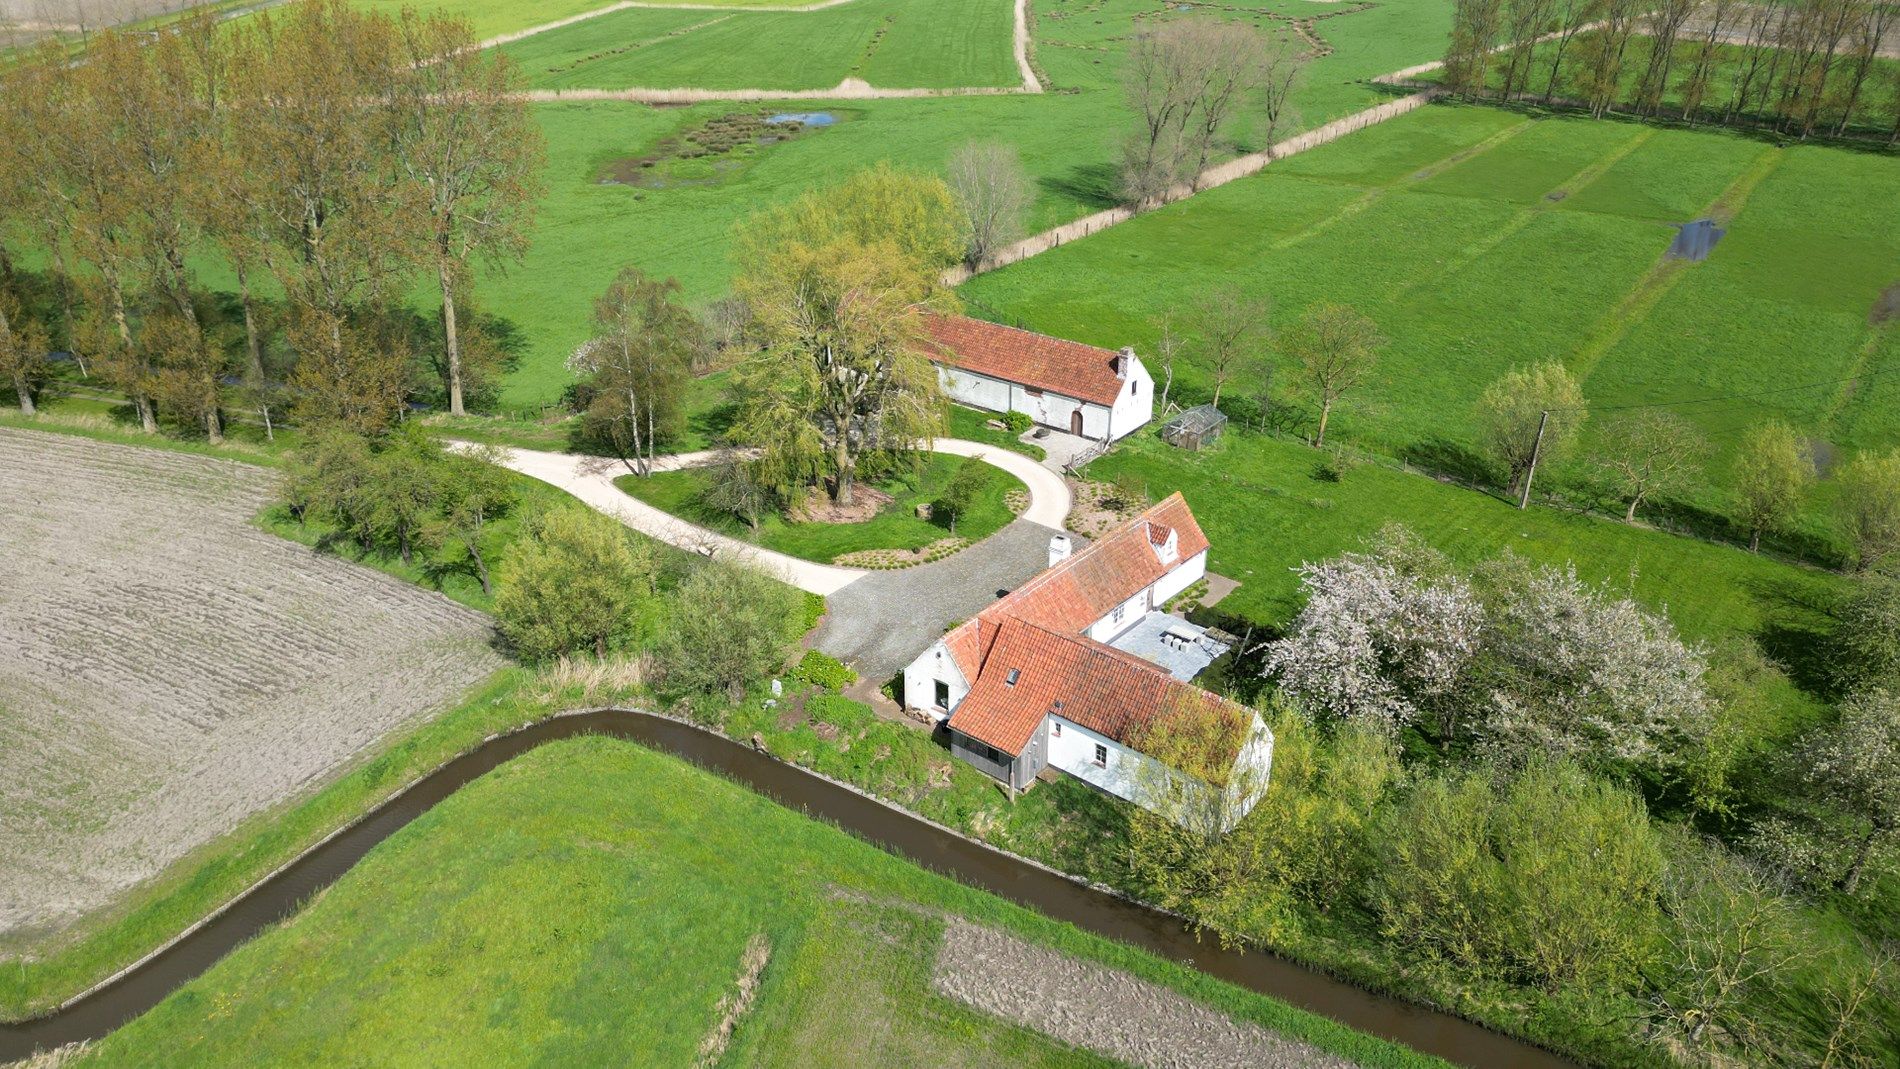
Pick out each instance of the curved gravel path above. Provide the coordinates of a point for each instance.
(591, 479)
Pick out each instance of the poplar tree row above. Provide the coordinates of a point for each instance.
(343, 156)
(1802, 67)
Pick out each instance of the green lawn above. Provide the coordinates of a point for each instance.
(1267, 510)
(588, 903)
(1482, 238)
(888, 43)
(896, 526)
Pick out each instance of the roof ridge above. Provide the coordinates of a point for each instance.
(1025, 330)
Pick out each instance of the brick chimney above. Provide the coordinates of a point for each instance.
(1059, 547)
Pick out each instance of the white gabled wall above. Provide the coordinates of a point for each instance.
(922, 675)
(1073, 751)
(1135, 406)
(1189, 573)
(1129, 773)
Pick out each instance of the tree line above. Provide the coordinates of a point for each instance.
(1801, 67)
(343, 156)
(1460, 769)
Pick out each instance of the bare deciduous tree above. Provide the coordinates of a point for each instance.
(1336, 347)
(993, 191)
(1649, 453)
(1230, 331)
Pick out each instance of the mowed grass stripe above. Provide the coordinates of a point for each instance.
(1656, 284)
(1419, 177)
(929, 44)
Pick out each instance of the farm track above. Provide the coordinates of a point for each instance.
(168, 669)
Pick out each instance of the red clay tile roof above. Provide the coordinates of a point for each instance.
(1038, 629)
(1075, 677)
(1037, 360)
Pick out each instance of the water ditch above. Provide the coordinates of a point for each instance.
(139, 988)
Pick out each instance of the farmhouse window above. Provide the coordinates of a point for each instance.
(943, 694)
(1101, 756)
(1055, 728)
(1120, 611)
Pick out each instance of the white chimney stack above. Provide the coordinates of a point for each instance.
(1124, 362)
(1058, 549)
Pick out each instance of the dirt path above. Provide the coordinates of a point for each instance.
(167, 669)
(1105, 1010)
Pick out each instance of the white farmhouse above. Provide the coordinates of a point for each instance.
(1098, 394)
(1070, 669)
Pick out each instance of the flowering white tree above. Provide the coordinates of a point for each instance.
(1377, 642)
(1571, 670)
(1529, 660)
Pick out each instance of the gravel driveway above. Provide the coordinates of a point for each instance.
(882, 621)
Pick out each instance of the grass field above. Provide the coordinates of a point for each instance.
(930, 44)
(896, 526)
(1483, 238)
(1067, 138)
(588, 904)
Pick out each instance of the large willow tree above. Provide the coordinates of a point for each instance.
(838, 281)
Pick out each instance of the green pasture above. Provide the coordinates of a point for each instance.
(931, 44)
(1068, 139)
(492, 18)
(588, 903)
(1483, 238)
(896, 526)
(1268, 508)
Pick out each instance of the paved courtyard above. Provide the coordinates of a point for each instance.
(882, 621)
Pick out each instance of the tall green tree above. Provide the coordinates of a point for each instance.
(329, 198)
(1511, 410)
(728, 626)
(463, 136)
(837, 281)
(636, 367)
(1772, 474)
(1868, 503)
(1650, 453)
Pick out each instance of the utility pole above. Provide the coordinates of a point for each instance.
(1537, 449)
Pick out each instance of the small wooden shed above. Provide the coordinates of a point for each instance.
(1198, 426)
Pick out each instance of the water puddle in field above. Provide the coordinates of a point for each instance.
(280, 896)
(714, 151)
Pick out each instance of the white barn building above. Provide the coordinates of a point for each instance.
(1100, 394)
(1069, 671)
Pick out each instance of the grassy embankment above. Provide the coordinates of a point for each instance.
(589, 903)
(896, 525)
(1482, 238)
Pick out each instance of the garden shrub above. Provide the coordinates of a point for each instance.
(823, 670)
(1017, 422)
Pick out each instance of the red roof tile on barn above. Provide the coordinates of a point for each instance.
(1023, 356)
(1038, 629)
